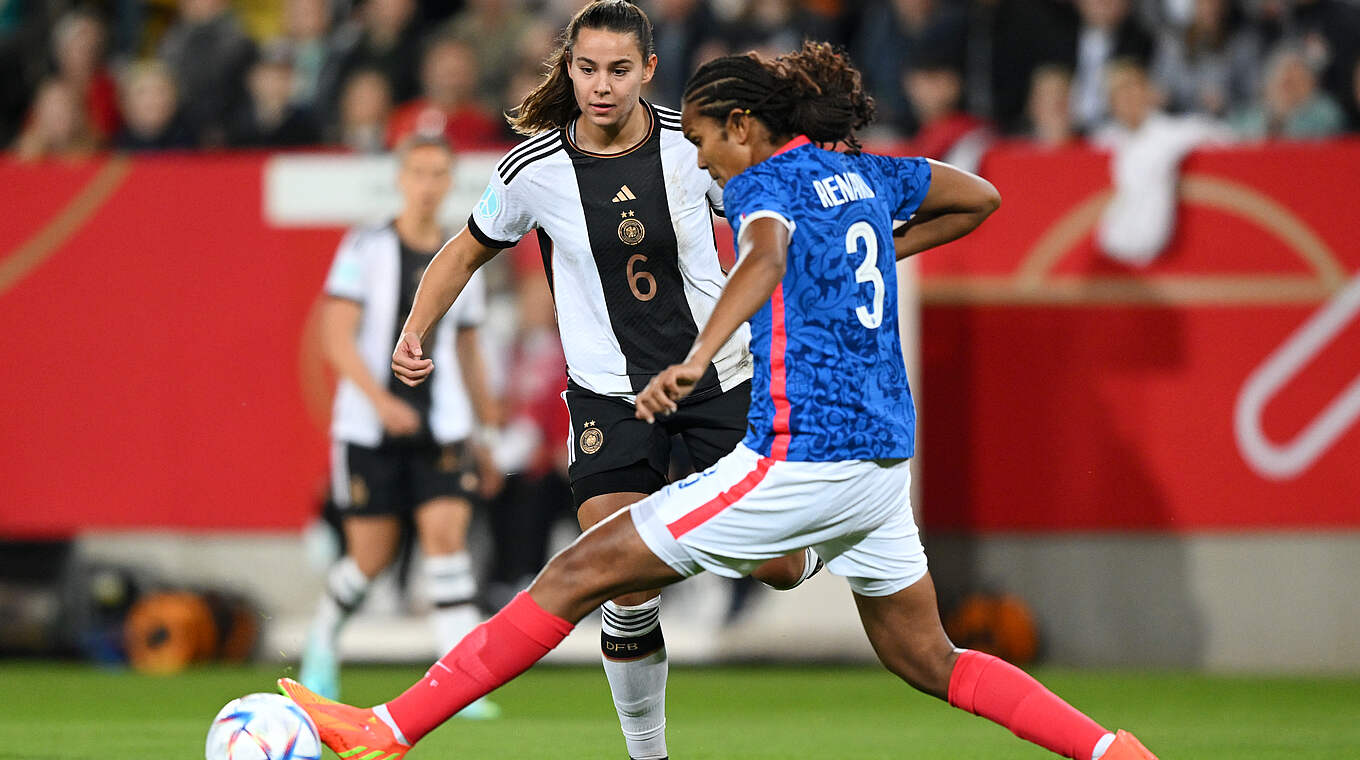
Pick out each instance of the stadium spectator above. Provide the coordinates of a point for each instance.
(1328, 32)
(365, 107)
(316, 62)
(1353, 102)
(208, 53)
(57, 126)
(1210, 65)
(492, 29)
(1291, 104)
(151, 118)
(680, 27)
(449, 105)
(1108, 32)
(892, 35)
(947, 133)
(1148, 147)
(769, 25)
(1050, 119)
(385, 38)
(78, 50)
(271, 120)
(538, 493)
(1007, 41)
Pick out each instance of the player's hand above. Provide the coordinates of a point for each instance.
(666, 389)
(408, 360)
(398, 417)
(490, 478)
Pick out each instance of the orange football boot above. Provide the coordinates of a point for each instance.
(1127, 747)
(354, 733)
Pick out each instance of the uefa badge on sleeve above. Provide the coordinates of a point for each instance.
(490, 204)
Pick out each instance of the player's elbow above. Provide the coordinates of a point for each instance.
(988, 198)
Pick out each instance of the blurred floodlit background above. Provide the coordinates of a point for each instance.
(1138, 381)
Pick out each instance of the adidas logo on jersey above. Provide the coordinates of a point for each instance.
(624, 194)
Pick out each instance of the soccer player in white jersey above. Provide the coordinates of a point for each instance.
(399, 450)
(825, 463)
(624, 219)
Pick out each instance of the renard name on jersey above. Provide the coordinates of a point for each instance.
(628, 247)
(830, 381)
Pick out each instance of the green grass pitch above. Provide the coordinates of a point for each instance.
(74, 712)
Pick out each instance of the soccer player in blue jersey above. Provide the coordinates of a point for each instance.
(825, 464)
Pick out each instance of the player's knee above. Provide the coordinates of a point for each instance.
(448, 542)
(576, 576)
(371, 564)
(783, 573)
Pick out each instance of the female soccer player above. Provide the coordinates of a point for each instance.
(398, 450)
(624, 219)
(826, 462)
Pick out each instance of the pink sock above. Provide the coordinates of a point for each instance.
(492, 654)
(998, 691)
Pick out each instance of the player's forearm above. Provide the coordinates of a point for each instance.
(443, 281)
(918, 236)
(956, 202)
(344, 358)
(473, 366)
(749, 288)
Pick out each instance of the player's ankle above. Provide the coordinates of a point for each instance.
(386, 717)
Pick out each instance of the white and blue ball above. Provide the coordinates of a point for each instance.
(262, 727)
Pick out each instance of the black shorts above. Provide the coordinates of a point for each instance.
(612, 451)
(395, 479)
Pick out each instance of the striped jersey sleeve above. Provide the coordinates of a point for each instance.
(346, 278)
(504, 214)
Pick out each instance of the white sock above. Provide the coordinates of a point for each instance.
(452, 590)
(346, 586)
(1101, 746)
(635, 663)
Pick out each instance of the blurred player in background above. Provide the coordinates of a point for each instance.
(832, 426)
(624, 219)
(398, 449)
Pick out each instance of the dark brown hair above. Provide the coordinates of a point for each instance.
(553, 102)
(814, 91)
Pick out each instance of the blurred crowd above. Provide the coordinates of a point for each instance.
(949, 75)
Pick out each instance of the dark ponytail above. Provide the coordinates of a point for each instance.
(814, 91)
(552, 103)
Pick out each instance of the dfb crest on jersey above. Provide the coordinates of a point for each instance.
(490, 204)
(592, 438)
(631, 230)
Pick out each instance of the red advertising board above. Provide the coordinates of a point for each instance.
(158, 371)
(1065, 391)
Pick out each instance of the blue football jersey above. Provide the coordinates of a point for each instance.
(830, 382)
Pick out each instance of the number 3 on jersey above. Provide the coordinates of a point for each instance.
(867, 271)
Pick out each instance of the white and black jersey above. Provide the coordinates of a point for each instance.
(628, 247)
(374, 268)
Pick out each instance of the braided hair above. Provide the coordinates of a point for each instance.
(814, 91)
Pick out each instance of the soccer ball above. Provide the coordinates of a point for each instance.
(262, 727)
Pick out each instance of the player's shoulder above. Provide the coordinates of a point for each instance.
(529, 153)
(765, 176)
(886, 162)
(666, 118)
(363, 236)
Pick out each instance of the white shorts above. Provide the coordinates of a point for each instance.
(747, 509)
